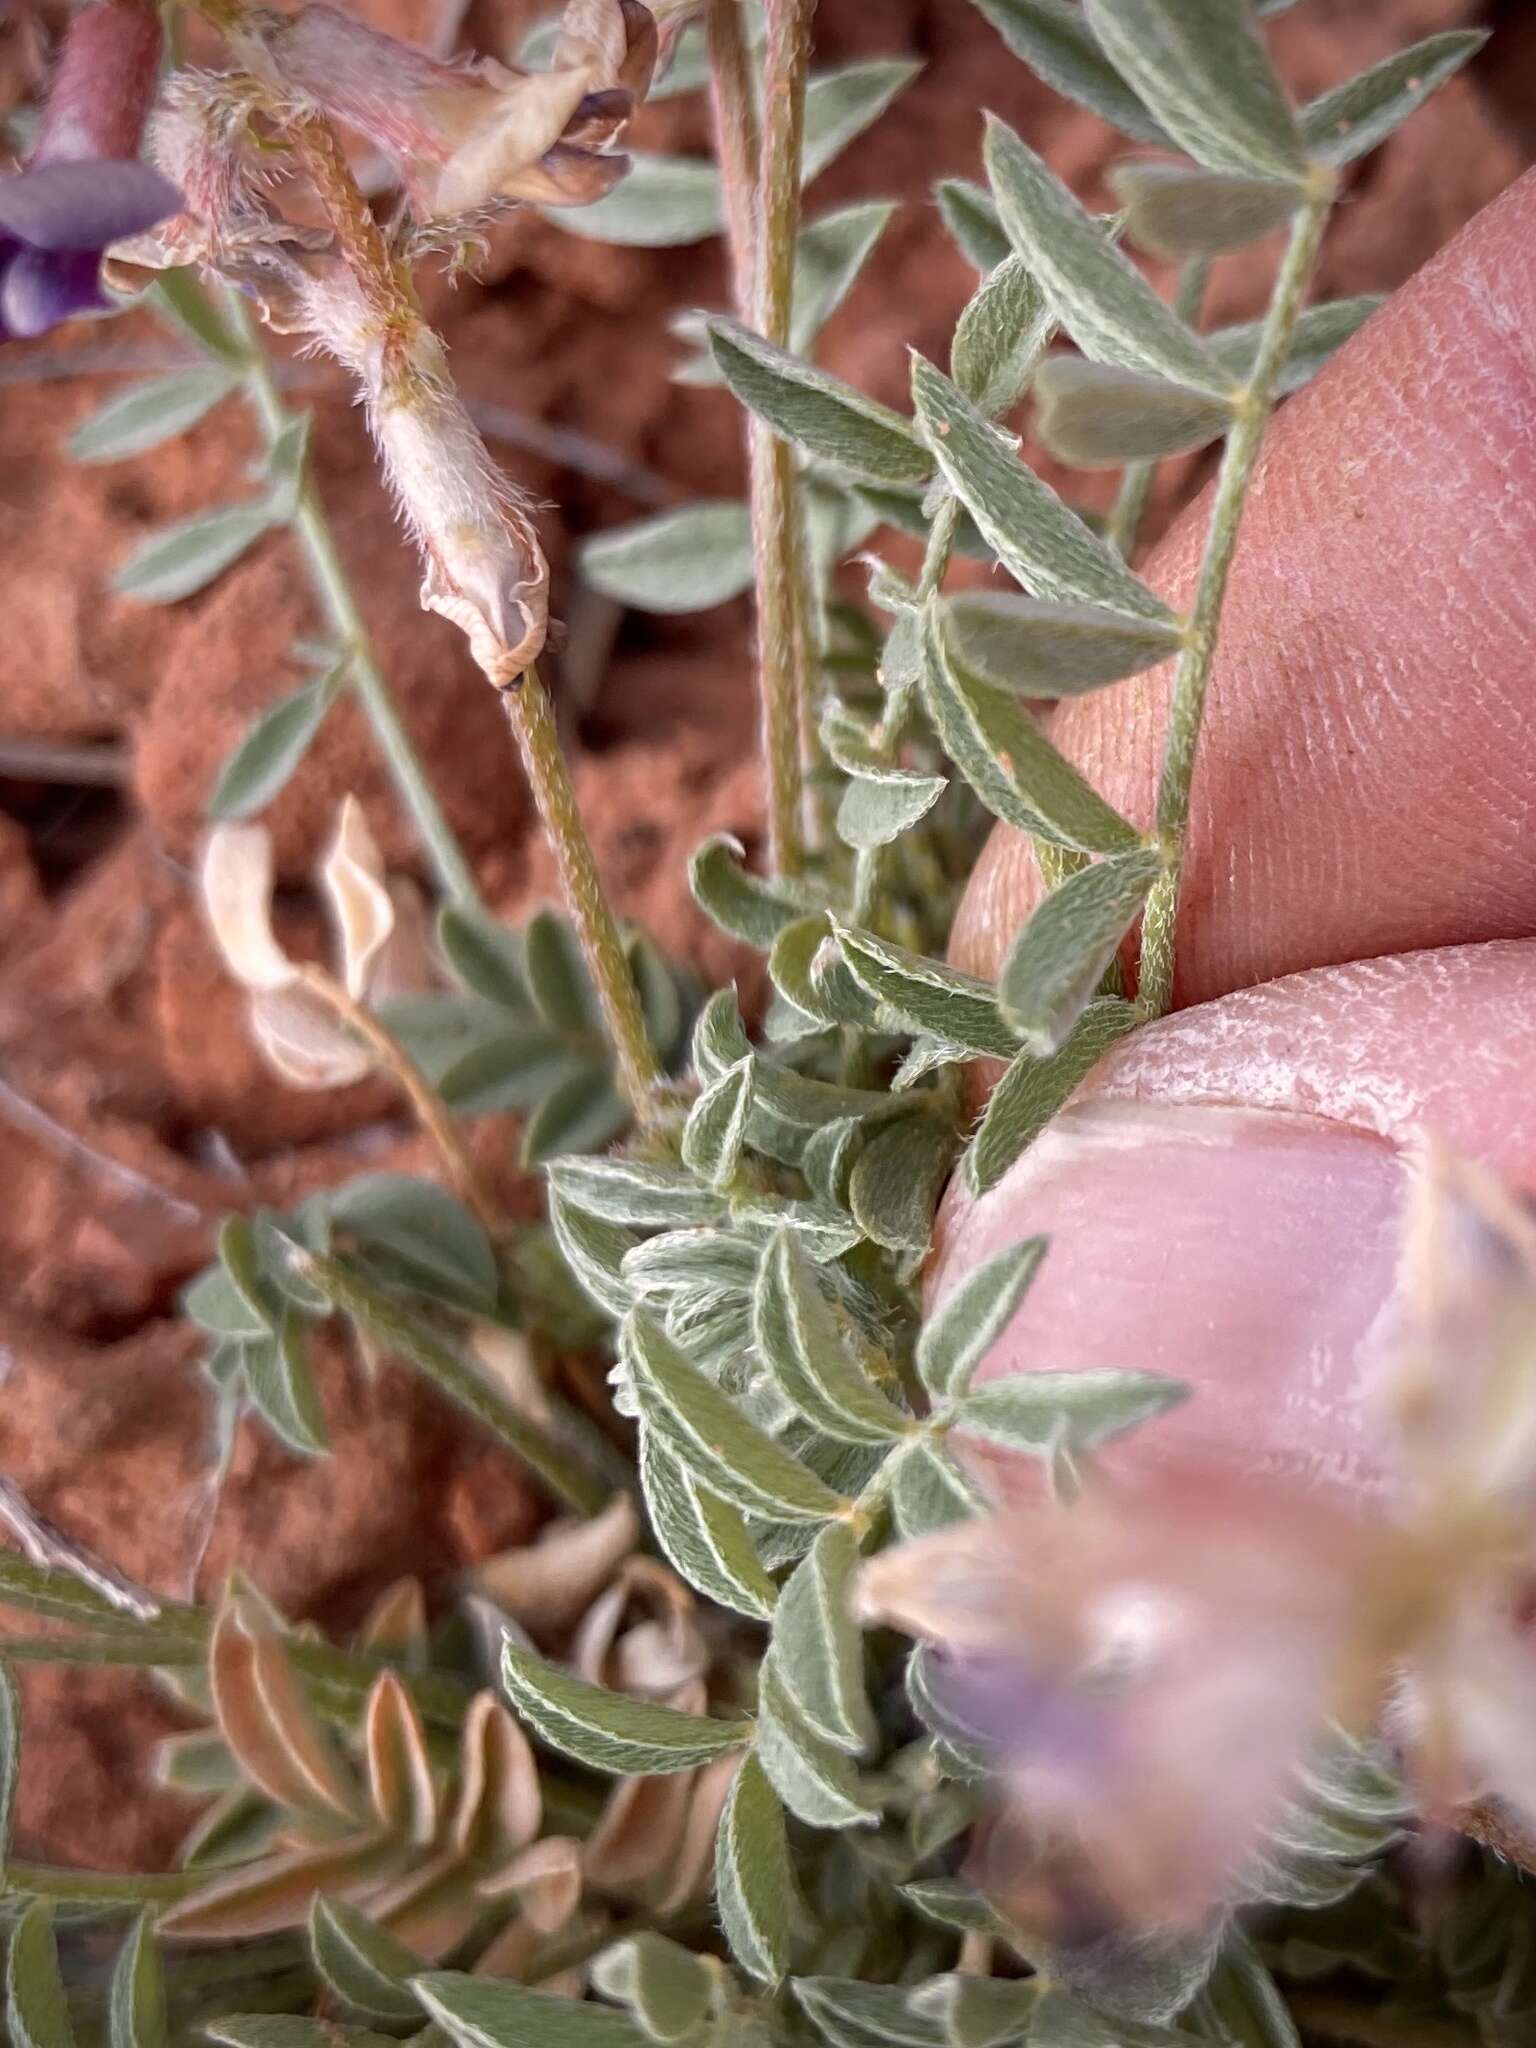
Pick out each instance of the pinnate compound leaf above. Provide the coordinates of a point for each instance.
(181, 560)
(1351, 119)
(1096, 416)
(1018, 643)
(1202, 69)
(716, 1130)
(704, 1537)
(1319, 332)
(815, 1781)
(704, 1428)
(35, 2006)
(1003, 753)
(478, 2012)
(1180, 210)
(927, 995)
(1034, 1089)
(611, 1731)
(136, 2014)
(1098, 294)
(1043, 1411)
(970, 214)
(1000, 338)
(683, 561)
(1038, 539)
(277, 742)
(754, 1878)
(668, 1988)
(1060, 957)
(366, 1966)
(972, 1316)
(816, 410)
(819, 1645)
(149, 414)
(811, 1350)
(1056, 42)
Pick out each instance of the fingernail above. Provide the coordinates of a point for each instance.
(1249, 1253)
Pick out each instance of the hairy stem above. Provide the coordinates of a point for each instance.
(1136, 485)
(1192, 683)
(532, 720)
(736, 144)
(776, 537)
(430, 1110)
(441, 1362)
(334, 590)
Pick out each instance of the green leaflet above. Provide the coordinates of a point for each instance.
(181, 560)
(35, 2007)
(927, 995)
(486, 956)
(630, 1192)
(754, 1878)
(1098, 294)
(422, 1236)
(1180, 210)
(815, 1781)
(852, 2014)
(705, 1429)
(716, 1130)
(899, 1176)
(816, 410)
(741, 904)
(1060, 957)
(973, 1314)
(1242, 2002)
(478, 2012)
(976, 2011)
(1000, 338)
(929, 1491)
(1019, 644)
(704, 1536)
(1038, 539)
(272, 749)
(668, 1988)
(594, 1248)
(819, 1648)
(829, 255)
(136, 2015)
(1345, 123)
(1042, 1412)
(813, 1352)
(610, 1731)
(1202, 69)
(10, 1756)
(1099, 417)
(878, 806)
(288, 2030)
(971, 218)
(365, 1965)
(682, 561)
(1055, 41)
(1034, 1089)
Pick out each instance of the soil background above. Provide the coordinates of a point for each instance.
(133, 1110)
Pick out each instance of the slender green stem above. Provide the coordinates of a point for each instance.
(447, 1368)
(1192, 683)
(532, 719)
(334, 590)
(1136, 485)
(783, 640)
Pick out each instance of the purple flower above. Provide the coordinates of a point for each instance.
(55, 221)
(82, 188)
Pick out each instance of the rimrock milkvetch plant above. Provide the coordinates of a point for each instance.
(777, 1734)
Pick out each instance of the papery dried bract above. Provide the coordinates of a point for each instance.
(364, 911)
(236, 888)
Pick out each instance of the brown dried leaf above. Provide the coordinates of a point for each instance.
(268, 1723)
(547, 1877)
(639, 1832)
(432, 1909)
(694, 1863)
(500, 1803)
(278, 1892)
(548, 1584)
(400, 1780)
(353, 876)
(396, 1624)
(658, 1654)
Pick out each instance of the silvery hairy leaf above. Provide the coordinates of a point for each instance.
(1034, 1089)
(1354, 117)
(35, 2006)
(878, 806)
(1097, 416)
(1055, 40)
(815, 1780)
(682, 561)
(485, 956)
(1045, 650)
(424, 1236)
(953, 1903)
(611, 1731)
(716, 1130)
(1043, 1411)
(851, 2014)
(972, 1316)
(594, 1248)
(631, 1192)
(669, 1989)
(148, 414)
(1061, 955)
(898, 1177)
(927, 995)
(183, 559)
(1098, 294)
(814, 1353)
(977, 2011)
(365, 1965)
(970, 214)
(819, 1645)
(481, 2012)
(829, 256)
(1180, 210)
(1202, 69)
(1000, 338)
(754, 1878)
(929, 1491)
(1319, 332)
(817, 411)
(136, 2014)
(743, 905)
(704, 1536)
(1242, 2003)
(272, 749)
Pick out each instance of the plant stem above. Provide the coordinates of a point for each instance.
(776, 536)
(533, 726)
(430, 1110)
(1192, 683)
(103, 1887)
(1136, 485)
(313, 533)
(736, 144)
(382, 1317)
